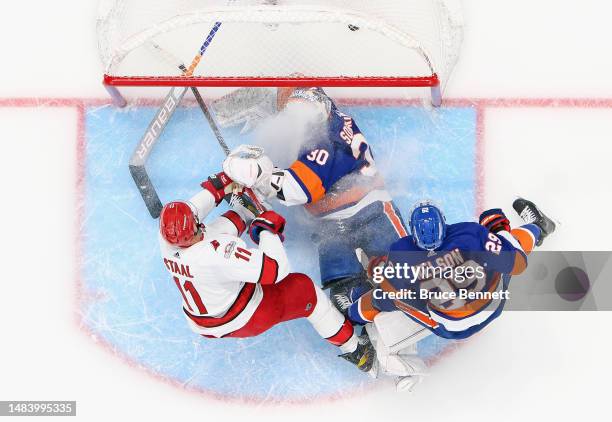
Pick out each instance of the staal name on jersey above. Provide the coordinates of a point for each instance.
(179, 269)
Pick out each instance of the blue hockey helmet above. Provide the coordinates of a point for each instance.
(428, 226)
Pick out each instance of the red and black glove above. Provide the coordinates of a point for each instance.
(270, 221)
(219, 185)
(495, 220)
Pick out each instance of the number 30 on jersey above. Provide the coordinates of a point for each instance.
(319, 156)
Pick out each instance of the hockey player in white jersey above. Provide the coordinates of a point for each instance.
(230, 290)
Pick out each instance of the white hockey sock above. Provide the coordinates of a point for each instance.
(350, 345)
(331, 324)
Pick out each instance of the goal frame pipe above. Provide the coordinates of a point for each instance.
(112, 82)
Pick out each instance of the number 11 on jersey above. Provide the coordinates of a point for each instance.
(188, 288)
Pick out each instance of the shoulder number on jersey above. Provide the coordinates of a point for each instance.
(243, 254)
(493, 245)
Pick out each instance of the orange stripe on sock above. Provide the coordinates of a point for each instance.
(525, 238)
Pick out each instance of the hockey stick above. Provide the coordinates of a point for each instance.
(363, 258)
(160, 120)
(251, 201)
(196, 60)
(189, 72)
(156, 127)
(247, 198)
(196, 93)
(145, 146)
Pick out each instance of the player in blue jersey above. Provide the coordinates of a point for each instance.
(335, 178)
(450, 280)
(458, 274)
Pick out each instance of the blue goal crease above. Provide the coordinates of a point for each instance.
(422, 154)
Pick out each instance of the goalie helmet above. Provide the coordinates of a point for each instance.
(428, 226)
(179, 224)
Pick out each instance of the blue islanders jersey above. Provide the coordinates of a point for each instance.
(336, 169)
(467, 245)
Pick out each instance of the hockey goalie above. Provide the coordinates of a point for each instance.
(334, 177)
(230, 290)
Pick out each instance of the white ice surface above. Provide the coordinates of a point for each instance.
(526, 366)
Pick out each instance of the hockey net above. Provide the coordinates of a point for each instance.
(384, 43)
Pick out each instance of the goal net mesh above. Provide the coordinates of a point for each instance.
(272, 39)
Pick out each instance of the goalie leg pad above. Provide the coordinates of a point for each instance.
(398, 332)
(395, 338)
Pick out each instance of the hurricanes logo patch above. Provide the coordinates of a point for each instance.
(229, 249)
(215, 244)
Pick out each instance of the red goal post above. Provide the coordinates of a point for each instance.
(265, 43)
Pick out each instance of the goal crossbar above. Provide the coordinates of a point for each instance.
(239, 81)
(112, 82)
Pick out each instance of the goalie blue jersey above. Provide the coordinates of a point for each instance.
(336, 168)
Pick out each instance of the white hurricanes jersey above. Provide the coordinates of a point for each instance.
(220, 279)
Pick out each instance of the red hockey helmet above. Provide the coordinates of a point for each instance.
(178, 224)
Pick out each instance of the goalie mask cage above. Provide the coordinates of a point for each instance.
(268, 43)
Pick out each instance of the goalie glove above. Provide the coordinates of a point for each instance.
(219, 185)
(495, 220)
(271, 186)
(270, 221)
(248, 166)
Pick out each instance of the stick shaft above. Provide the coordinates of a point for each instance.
(196, 60)
(211, 121)
(174, 61)
(142, 151)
